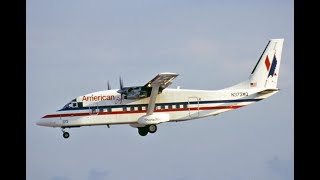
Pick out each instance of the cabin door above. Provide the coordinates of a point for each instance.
(193, 106)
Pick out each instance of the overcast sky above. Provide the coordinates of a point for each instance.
(74, 47)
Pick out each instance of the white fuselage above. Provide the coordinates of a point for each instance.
(107, 108)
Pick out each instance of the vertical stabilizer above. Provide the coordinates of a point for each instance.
(266, 72)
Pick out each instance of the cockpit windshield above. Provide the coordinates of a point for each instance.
(72, 104)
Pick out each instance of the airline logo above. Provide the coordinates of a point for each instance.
(97, 98)
(273, 66)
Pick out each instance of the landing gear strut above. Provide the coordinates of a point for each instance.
(65, 134)
(143, 131)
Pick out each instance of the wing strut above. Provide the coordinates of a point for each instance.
(162, 81)
(153, 97)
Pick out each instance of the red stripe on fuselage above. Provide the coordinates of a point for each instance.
(142, 111)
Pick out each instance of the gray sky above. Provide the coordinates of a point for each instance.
(74, 47)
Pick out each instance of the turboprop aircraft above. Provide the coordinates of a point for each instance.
(144, 107)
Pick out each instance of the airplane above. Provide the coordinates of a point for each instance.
(144, 107)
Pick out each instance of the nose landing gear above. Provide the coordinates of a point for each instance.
(65, 134)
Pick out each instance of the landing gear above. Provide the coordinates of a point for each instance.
(65, 134)
(152, 128)
(143, 131)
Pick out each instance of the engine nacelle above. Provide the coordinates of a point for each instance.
(155, 118)
(136, 95)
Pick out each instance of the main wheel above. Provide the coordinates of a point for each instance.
(66, 135)
(142, 131)
(152, 128)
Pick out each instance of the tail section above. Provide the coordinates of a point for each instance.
(266, 72)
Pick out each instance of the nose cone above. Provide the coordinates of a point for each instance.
(44, 122)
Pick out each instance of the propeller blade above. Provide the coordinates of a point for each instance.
(121, 84)
(109, 87)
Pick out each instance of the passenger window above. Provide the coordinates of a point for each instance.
(185, 106)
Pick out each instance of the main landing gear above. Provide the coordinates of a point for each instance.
(65, 134)
(143, 131)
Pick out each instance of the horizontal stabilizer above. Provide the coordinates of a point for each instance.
(267, 91)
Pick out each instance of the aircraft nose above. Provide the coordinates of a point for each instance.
(40, 122)
(43, 122)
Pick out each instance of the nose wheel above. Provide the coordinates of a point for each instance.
(65, 134)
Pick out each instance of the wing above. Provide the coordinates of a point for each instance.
(163, 79)
(158, 83)
(138, 92)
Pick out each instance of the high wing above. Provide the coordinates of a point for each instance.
(158, 83)
(163, 79)
(138, 92)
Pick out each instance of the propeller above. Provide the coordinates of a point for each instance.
(109, 87)
(121, 90)
(121, 84)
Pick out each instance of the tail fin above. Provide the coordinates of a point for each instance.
(266, 72)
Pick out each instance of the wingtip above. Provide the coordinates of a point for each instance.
(277, 39)
(170, 73)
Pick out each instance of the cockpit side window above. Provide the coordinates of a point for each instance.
(71, 104)
(80, 104)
